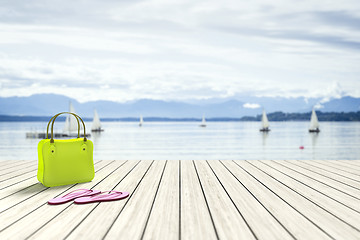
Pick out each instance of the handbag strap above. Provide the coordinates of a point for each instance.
(52, 121)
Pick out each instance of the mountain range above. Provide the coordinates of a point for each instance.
(50, 104)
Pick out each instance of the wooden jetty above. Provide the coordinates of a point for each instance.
(42, 135)
(189, 200)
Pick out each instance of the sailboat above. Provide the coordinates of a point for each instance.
(141, 121)
(314, 123)
(264, 122)
(70, 128)
(96, 124)
(203, 122)
(71, 125)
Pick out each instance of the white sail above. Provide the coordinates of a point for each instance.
(96, 124)
(264, 120)
(71, 123)
(314, 122)
(203, 120)
(141, 121)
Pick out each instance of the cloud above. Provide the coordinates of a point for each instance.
(318, 106)
(340, 18)
(332, 91)
(251, 105)
(126, 50)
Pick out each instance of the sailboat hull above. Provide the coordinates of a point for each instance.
(265, 130)
(97, 130)
(314, 130)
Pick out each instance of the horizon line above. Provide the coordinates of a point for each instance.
(294, 116)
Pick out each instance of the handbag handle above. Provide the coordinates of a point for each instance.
(47, 129)
(52, 120)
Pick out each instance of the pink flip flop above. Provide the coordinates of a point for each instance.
(72, 195)
(111, 196)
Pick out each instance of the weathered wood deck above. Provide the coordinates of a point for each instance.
(189, 200)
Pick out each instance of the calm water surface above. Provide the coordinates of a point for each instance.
(187, 141)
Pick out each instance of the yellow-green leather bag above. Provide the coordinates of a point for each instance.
(65, 161)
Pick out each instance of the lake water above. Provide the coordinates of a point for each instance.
(188, 141)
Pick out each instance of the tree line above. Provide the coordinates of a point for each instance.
(322, 116)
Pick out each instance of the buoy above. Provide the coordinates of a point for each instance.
(301, 147)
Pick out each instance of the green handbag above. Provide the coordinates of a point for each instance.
(63, 162)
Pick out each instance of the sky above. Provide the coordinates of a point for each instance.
(180, 50)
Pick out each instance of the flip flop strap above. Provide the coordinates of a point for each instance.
(106, 196)
(76, 193)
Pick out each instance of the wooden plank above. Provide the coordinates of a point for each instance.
(339, 178)
(160, 225)
(329, 182)
(29, 177)
(15, 185)
(323, 219)
(334, 170)
(190, 200)
(196, 222)
(348, 214)
(8, 202)
(17, 173)
(292, 220)
(4, 163)
(16, 166)
(20, 186)
(63, 222)
(22, 194)
(351, 162)
(130, 222)
(353, 172)
(266, 227)
(33, 203)
(229, 220)
(345, 164)
(105, 213)
(15, 180)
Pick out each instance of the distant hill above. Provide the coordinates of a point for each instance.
(274, 117)
(49, 104)
(344, 104)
